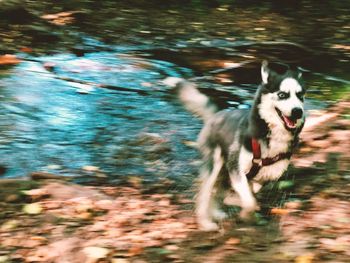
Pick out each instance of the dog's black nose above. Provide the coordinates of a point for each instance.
(297, 113)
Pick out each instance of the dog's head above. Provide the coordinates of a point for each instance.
(282, 98)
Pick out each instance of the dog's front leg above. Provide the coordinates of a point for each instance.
(241, 186)
(205, 201)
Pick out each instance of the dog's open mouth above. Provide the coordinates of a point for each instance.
(291, 124)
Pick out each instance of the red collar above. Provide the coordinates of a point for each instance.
(257, 162)
(256, 149)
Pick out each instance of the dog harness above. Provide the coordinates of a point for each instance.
(258, 163)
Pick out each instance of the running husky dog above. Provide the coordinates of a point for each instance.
(246, 147)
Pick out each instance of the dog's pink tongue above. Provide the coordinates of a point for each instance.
(289, 122)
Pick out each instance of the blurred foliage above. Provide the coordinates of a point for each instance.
(21, 23)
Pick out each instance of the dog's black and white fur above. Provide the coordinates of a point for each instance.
(275, 121)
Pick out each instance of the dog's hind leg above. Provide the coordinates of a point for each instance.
(205, 198)
(247, 200)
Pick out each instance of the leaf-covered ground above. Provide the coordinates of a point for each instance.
(305, 217)
(56, 221)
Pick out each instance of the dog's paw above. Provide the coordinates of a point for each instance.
(219, 214)
(247, 213)
(208, 226)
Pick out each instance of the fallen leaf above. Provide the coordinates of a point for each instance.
(336, 245)
(119, 260)
(164, 202)
(172, 247)
(339, 46)
(4, 259)
(26, 49)
(30, 243)
(8, 225)
(279, 211)
(307, 258)
(36, 193)
(96, 252)
(222, 9)
(85, 215)
(232, 241)
(293, 205)
(59, 19)
(9, 60)
(104, 204)
(38, 238)
(134, 251)
(32, 209)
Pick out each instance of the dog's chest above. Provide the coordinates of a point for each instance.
(266, 173)
(278, 143)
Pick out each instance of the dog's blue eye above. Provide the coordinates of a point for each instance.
(282, 95)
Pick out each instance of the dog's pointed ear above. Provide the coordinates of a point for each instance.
(265, 71)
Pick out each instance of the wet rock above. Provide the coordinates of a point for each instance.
(59, 191)
(49, 66)
(45, 176)
(151, 139)
(54, 167)
(90, 168)
(3, 169)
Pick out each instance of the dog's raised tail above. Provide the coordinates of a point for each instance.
(194, 101)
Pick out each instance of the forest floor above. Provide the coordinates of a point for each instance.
(48, 219)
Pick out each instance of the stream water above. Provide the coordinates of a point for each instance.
(61, 113)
